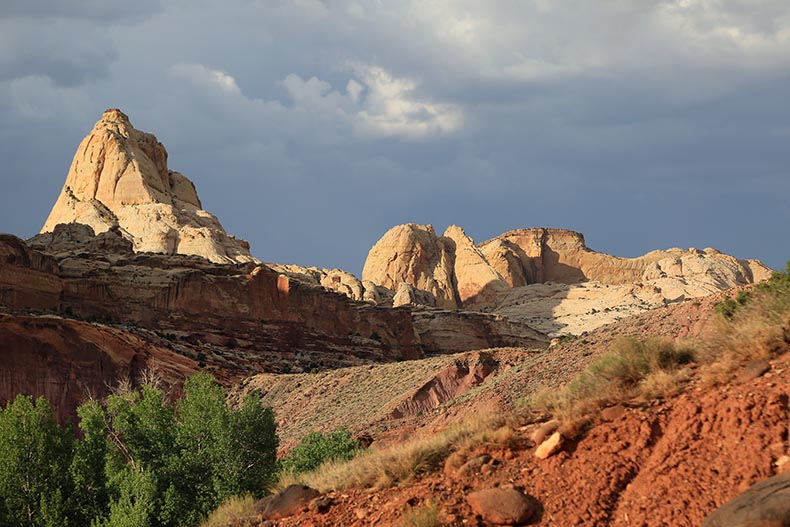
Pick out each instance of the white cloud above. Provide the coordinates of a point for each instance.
(202, 75)
(376, 105)
(373, 105)
(392, 107)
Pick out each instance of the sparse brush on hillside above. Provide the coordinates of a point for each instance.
(757, 328)
(231, 512)
(632, 369)
(425, 515)
(387, 466)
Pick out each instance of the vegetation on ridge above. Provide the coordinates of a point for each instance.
(632, 369)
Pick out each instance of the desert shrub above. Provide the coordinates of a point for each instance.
(758, 328)
(384, 467)
(425, 515)
(230, 511)
(632, 368)
(726, 308)
(317, 447)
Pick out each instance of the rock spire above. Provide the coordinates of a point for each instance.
(119, 178)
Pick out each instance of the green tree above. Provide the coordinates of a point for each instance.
(141, 461)
(251, 463)
(90, 499)
(198, 452)
(135, 504)
(35, 454)
(316, 447)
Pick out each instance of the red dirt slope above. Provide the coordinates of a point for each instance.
(668, 463)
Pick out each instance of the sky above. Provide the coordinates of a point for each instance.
(311, 127)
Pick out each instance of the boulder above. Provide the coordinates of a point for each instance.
(289, 501)
(502, 506)
(550, 446)
(544, 431)
(765, 504)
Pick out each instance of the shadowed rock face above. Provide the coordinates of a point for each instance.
(185, 313)
(206, 301)
(67, 361)
(119, 178)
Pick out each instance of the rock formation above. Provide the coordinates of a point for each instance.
(338, 281)
(546, 278)
(277, 319)
(119, 179)
(413, 254)
(240, 318)
(477, 282)
(67, 360)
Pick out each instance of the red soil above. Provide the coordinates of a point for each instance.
(668, 463)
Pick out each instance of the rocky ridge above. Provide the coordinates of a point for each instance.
(543, 278)
(450, 388)
(234, 320)
(547, 278)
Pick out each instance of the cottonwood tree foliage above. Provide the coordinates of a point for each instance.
(140, 461)
(318, 447)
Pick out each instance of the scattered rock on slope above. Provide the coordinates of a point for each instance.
(502, 506)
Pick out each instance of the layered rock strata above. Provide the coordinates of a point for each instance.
(234, 320)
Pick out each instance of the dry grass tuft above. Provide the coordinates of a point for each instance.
(398, 463)
(426, 515)
(231, 513)
(758, 329)
(648, 369)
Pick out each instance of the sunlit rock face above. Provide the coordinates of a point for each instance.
(119, 178)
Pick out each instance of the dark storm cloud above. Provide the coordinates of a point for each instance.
(105, 11)
(311, 127)
(35, 47)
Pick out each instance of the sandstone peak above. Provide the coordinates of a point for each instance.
(115, 115)
(119, 178)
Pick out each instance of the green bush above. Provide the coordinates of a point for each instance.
(777, 287)
(142, 461)
(316, 448)
(727, 308)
